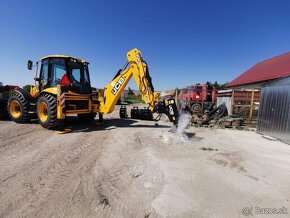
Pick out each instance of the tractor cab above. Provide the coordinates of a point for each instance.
(65, 70)
(198, 88)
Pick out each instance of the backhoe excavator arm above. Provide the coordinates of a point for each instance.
(137, 68)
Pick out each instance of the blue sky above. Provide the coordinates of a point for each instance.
(183, 41)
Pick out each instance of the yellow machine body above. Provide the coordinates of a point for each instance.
(53, 103)
(136, 68)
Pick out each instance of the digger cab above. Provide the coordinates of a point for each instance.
(65, 70)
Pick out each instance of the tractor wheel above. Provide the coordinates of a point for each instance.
(87, 117)
(17, 108)
(196, 109)
(47, 111)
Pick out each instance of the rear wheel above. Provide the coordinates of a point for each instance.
(46, 111)
(17, 108)
(196, 109)
(87, 117)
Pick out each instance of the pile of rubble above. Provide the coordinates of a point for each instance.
(218, 117)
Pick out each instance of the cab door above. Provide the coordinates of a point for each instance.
(43, 78)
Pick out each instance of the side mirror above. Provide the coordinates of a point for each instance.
(29, 65)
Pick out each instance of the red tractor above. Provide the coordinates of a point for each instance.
(198, 98)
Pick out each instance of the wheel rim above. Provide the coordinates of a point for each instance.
(196, 109)
(42, 112)
(14, 109)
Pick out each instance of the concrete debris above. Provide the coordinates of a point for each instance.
(174, 138)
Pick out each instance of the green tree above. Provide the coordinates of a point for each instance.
(27, 88)
(130, 92)
(217, 85)
(132, 97)
(1, 83)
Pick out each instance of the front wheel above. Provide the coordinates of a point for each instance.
(47, 111)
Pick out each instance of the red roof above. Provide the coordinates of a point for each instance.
(273, 68)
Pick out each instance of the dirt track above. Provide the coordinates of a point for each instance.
(125, 169)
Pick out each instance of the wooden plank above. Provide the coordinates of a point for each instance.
(252, 104)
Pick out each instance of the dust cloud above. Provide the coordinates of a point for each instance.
(176, 134)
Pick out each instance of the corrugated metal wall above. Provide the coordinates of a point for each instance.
(274, 111)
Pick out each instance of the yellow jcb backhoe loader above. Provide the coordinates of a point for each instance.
(63, 88)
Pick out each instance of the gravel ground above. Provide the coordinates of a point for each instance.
(127, 168)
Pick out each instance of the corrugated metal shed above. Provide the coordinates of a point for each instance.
(274, 112)
(273, 68)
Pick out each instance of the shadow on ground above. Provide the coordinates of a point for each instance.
(189, 134)
(108, 124)
(76, 125)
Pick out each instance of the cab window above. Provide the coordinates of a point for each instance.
(86, 75)
(44, 73)
(76, 75)
(58, 70)
(183, 91)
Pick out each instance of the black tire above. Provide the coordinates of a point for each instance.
(47, 117)
(90, 117)
(3, 110)
(19, 113)
(123, 112)
(196, 109)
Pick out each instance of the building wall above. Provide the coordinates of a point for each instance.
(242, 102)
(274, 112)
